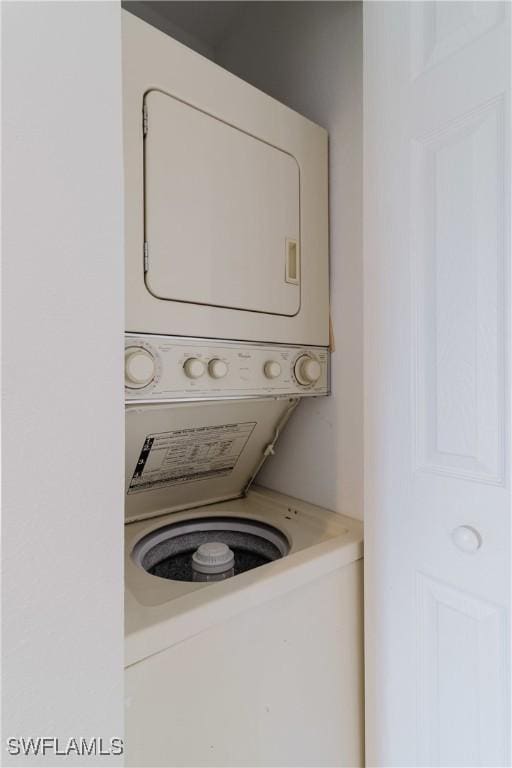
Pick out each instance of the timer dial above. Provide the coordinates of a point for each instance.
(139, 367)
(307, 370)
(194, 368)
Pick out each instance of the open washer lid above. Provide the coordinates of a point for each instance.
(183, 455)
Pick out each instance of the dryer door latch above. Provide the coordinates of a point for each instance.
(145, 119)
(146, 256)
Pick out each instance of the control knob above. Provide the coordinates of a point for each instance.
(217, 368)
(139, 367)
(307, 370)
(272, 369)
(194, 368)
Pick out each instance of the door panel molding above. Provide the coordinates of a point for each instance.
(440, 30)
(461, 677)
(458, 246)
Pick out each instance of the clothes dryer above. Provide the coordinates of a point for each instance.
(225, 202)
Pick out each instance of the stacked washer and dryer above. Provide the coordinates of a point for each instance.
(243, 606)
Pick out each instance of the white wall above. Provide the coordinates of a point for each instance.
(62, 524)
(155, 13)
(310, 56)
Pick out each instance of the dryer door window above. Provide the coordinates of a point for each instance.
(222, 213)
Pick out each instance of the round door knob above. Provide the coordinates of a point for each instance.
(307, 370)
(217, 368)
(139, 367)
(272, 369)
(466, 538)
(194, 368)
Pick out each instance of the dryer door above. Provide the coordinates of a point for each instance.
(222, 215)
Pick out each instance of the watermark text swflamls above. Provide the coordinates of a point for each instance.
(51, 745)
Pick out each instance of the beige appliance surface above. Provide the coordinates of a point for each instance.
(226, 202)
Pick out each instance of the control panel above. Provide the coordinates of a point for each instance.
(177, 368)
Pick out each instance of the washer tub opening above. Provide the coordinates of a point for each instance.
(171, 552)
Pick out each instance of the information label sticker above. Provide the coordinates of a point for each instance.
(188, 455)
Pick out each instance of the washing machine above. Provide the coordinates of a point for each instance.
(263, 668)
(243, 606)
(226, 202)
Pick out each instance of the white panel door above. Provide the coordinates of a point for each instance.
(437, 355)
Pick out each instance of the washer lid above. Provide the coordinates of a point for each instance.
(182, 455)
